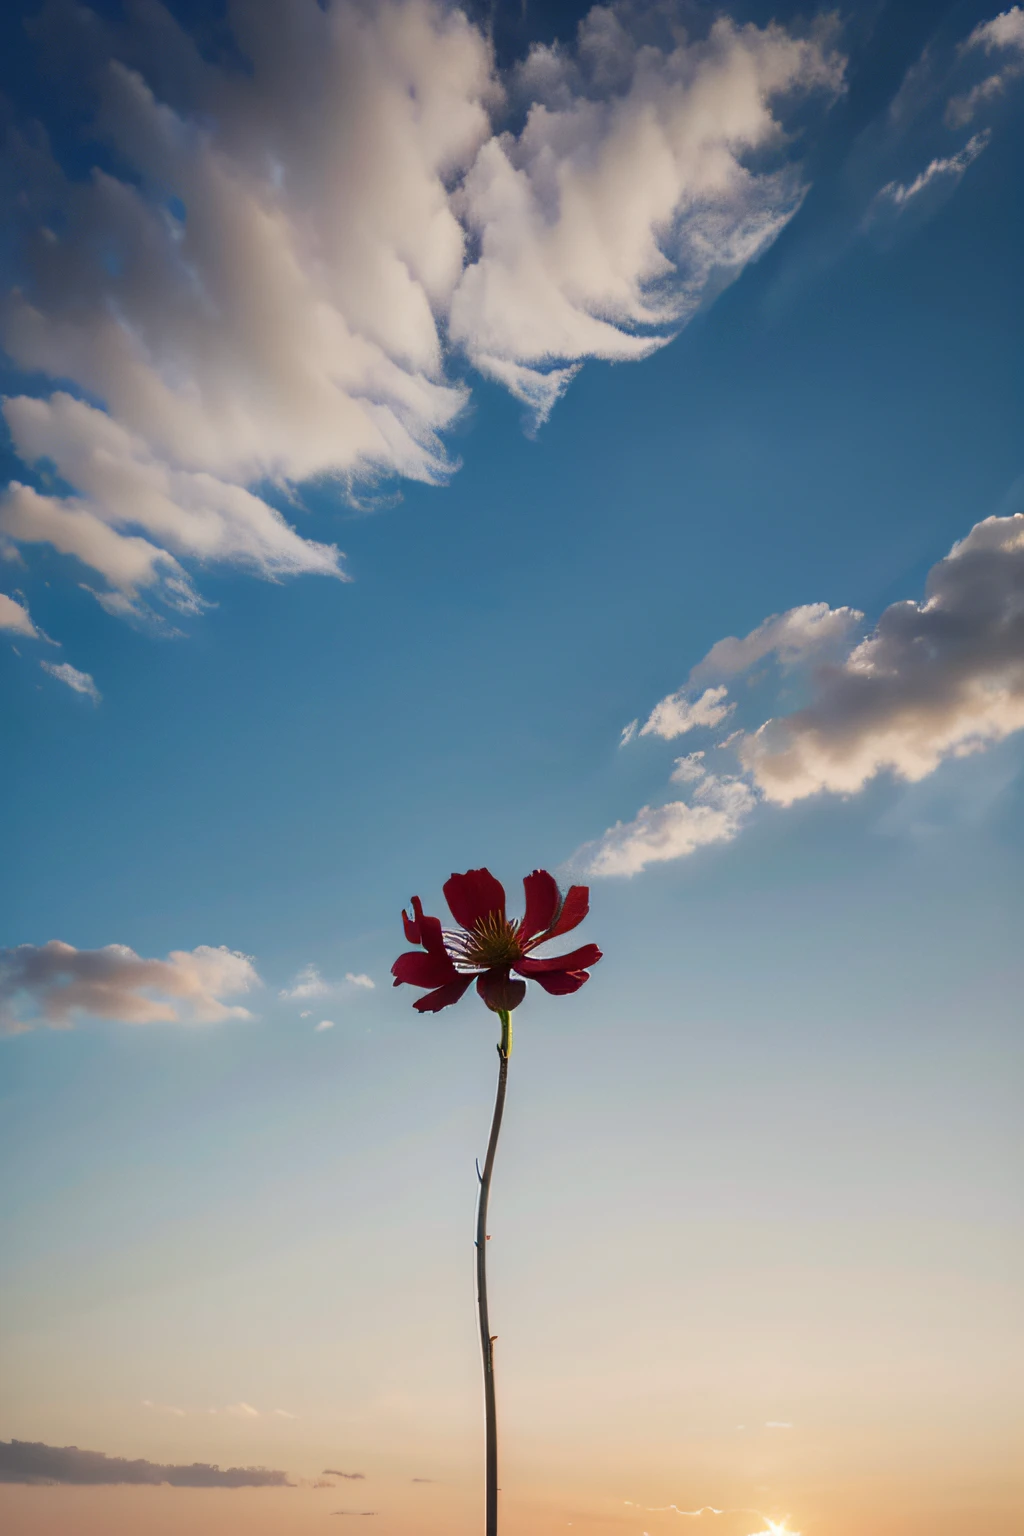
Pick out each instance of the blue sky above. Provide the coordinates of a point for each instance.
(803, 1036)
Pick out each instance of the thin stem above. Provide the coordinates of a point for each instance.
(486, 1338)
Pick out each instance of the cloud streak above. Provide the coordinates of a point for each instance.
(1003, 35)
(26, 1461)
(78, 682)
(942, 172)
(14, 617)
(54, 984)
(280, 272)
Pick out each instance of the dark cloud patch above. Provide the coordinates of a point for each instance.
(361, 1513)
(423, 1479)
(30, 1461)
(353, 1477)
(937, 679)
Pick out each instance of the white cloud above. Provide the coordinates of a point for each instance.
(1002, 34)
(307, 1013)
(793, 637)
(123, 485)
(605, 223)
(937, 678)
(943, 171)
(14, 617)
(277, 285)
(324, 1024)
(673, 831)
(689, 769)
(777, 1424)
(308, 982)
(281, 1413)
(81, 682)
(178, 1413)
(55, 983)
(1003, 31)
(676, 714)
(242, 1411)
(360, 979)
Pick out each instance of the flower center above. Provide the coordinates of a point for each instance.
(493, 942)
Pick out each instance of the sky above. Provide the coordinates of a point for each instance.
(528, 437)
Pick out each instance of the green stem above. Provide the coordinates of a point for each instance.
(486, 1338)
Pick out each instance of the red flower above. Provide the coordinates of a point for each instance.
(488, 946)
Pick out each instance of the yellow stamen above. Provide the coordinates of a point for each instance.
(493, 942)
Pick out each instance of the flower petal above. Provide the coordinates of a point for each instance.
(411, 924)
(587, 954)
(431, 936)
(574, 909)
(443, 997)
(541, 903)
(474, 895)
(499, 991)
(561, 982)
(420, 970)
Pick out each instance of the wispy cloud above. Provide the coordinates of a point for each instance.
(660, 833)
(687, 1514)
(1003, 35)
(943, 170)
(353, 1477)
(307, 982)
(793, 637)
(233, 1410)
(25, 1461)
(80, 682)
(733, 1516)
(55, 983)
(324, 1024)
(14, 617)
(270, 287)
